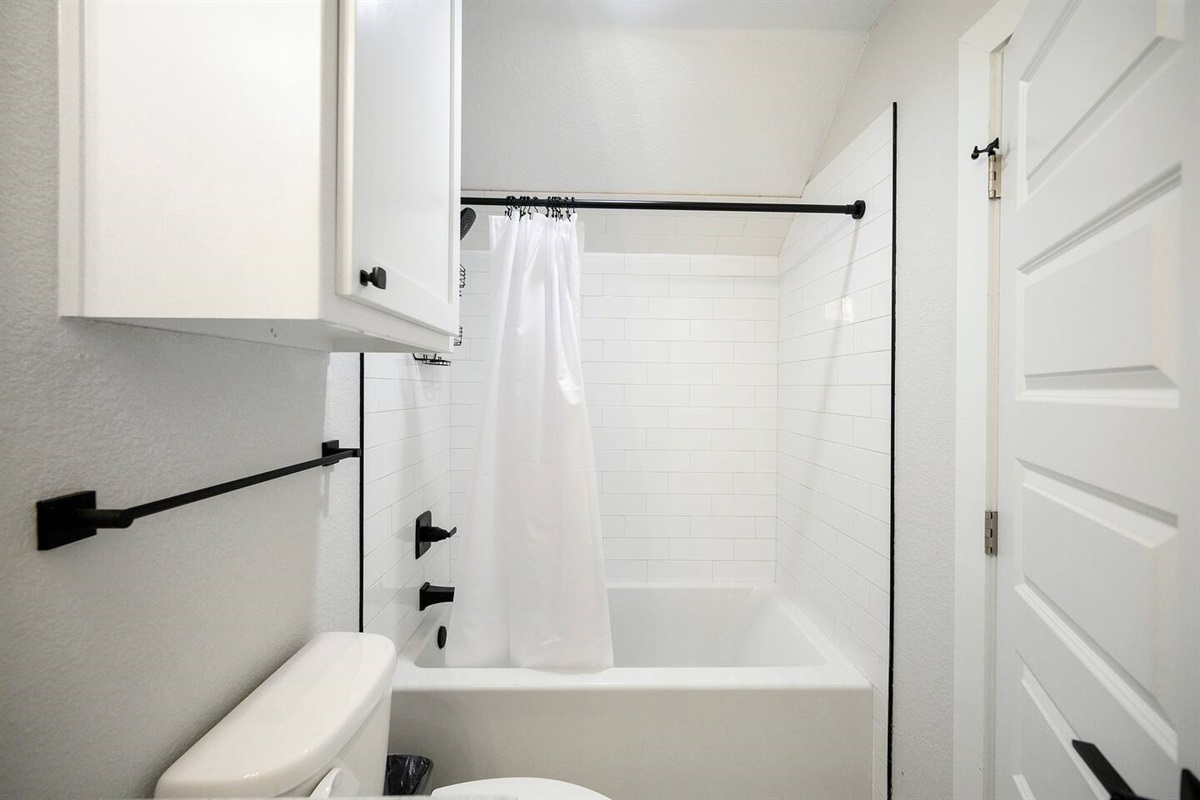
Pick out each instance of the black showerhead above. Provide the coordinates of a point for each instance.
(466, 219)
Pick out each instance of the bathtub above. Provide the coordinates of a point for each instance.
(718, 692)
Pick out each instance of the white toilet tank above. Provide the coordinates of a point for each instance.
(326, 708)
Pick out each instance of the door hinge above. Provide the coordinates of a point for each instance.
(991, 524)
(992, 151)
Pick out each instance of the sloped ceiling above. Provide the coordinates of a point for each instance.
(653, 97)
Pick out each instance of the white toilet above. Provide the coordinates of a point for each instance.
(319, 727)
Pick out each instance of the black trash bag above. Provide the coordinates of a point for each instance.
(407, 775)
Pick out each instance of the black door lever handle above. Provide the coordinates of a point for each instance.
(1115, 785)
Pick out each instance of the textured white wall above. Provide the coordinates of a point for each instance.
(605, 97)
(118, 652)
(835, 407)
(679, 360)
(912, 58)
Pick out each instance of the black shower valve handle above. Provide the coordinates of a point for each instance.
(436, 534)
(426, 533)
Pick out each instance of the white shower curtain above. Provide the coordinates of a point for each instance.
(529, 583)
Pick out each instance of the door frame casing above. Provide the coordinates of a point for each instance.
(975, 418)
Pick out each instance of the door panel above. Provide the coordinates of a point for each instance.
(1099, 451)
(1056, 773)
(1095, 696)
(1118, 445)
(1128, 549)
(1065, 82)
(1093, 310)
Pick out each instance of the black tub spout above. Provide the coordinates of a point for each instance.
(431, 595)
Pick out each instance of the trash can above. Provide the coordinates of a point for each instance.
(407, 775)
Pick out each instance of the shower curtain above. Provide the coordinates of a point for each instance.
(529, 584)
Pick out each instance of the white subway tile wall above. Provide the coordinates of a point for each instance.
(679, 361)
(834, 411)
(406, 470)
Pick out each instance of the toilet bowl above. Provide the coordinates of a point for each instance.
(520, 788)
(318, 726)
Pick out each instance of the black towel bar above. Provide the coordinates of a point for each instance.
(71, 517)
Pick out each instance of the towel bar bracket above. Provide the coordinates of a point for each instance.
(60, 520)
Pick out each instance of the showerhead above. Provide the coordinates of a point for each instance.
(466, 218)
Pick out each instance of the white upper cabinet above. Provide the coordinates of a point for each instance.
(399, 178)
(236, 168)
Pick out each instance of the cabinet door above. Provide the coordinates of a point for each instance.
(398, 157)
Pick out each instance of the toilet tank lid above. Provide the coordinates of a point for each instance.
(292, 725)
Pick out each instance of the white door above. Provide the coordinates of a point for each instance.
(1098, 613)
(398, 157)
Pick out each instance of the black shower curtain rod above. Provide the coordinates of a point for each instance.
(856, 209)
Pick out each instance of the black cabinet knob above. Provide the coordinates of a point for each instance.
(376, 277)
